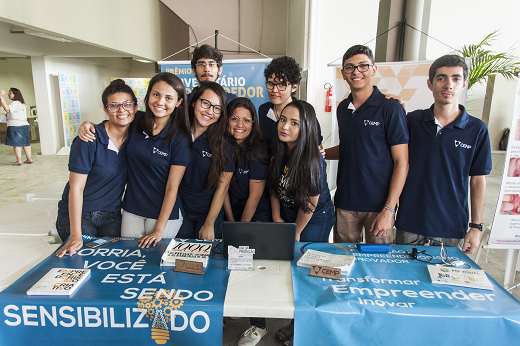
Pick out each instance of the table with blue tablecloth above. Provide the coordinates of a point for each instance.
(129, 299)
(388, 299)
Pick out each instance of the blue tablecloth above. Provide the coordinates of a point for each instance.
(388, 299)
(128, 300)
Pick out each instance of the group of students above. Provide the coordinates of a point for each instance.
(204, 156)
(191, 161)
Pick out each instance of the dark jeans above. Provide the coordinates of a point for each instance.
(191, 226)
(96, 224)
(319, 227)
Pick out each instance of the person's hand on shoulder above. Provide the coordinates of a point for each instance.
(395, 97)
(71, 246)
(86, 131)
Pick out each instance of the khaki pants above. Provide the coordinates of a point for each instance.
(350, 224)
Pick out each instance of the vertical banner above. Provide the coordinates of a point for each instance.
(505, 229)
(244, 78)
(139, 86)
(70, 113)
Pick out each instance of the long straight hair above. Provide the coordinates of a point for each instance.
(253, 146)
(178, 118)
(216, 133)
(304, 166)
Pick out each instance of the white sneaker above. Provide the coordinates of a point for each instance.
(252, 336)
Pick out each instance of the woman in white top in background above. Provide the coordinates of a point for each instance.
(17, 125)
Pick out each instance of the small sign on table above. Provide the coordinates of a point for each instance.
(241, 258)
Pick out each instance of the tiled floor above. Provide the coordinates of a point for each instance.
(15, 182)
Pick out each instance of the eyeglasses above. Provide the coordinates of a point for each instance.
(281, 86)
(10, 92)
(207, 105)
(360, 68)
(234, 120)
(210, 64)
(115, 107)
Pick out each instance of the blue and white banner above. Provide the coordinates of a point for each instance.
(388, 299)
(128, 300)
(244, 78)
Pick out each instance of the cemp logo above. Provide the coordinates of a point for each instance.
(462, 145)
(372, 123)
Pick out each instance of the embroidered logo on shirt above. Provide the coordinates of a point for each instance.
(372, 123)
(462, 145)
(243, 171)
(205, 153)
(157, 151)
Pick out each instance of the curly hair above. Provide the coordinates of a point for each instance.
(206, 52)
(284, 68)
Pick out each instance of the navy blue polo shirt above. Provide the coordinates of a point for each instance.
(269, 126)
(365, 165)
(288, 208)
(434, 201)
(239, 187)
(229, 96)
(196, 200)
(106, 170)
(149, 163)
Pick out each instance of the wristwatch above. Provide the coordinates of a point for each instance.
(479, 226)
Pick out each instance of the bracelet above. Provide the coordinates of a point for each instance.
(389, 208)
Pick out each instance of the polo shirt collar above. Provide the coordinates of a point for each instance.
(373, 100)
(102, 135)
(460, 122)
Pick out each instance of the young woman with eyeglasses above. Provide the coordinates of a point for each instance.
(246, 200)
(211, 167)
(91, 201)
(158, 154)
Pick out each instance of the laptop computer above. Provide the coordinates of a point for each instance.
(271, 240)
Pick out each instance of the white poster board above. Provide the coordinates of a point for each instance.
(69, 97)
(505, 230)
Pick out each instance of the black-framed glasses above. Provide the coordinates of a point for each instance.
(207, 105)
(209, 63)
(360, 68)
(234, 120)
(281, 86)
(115, 107)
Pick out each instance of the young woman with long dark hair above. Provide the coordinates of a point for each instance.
(206, 181)
(246, 200)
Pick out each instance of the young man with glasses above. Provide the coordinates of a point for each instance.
(206, 65)
(372, 154)
(448, 149)
(282, 78)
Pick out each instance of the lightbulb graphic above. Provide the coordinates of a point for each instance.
(159, 312)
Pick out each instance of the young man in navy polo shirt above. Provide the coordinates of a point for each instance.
(206, 65)
(448, 148)
(372, 154)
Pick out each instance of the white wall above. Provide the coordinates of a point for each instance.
(263, 24)
(336, 31)
(464, 22)
(93, 77)
(126, 27)
(16, 73)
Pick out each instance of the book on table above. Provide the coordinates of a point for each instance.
(59, 282)
(197, 252)
(472, 278)
(320, 258)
